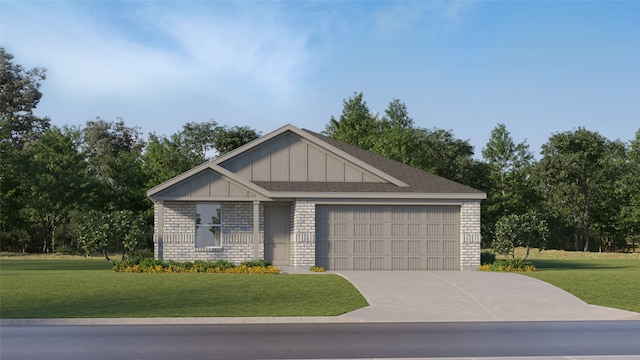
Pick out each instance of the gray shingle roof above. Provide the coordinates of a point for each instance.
(419, 181)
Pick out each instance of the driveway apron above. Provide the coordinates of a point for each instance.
(409, 296)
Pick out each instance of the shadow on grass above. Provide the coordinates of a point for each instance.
(580, 264)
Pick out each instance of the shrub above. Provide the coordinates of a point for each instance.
(316, 269)
(224, 264)
(257, 262)
(487, 257)
(511, 265)
(151, 265)
(139, 255)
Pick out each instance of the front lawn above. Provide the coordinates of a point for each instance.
(605, 282)
(88, 288)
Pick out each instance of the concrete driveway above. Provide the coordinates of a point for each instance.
(468, 296)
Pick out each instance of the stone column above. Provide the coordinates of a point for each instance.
(159, 229)
(256, 230)
(470, 235)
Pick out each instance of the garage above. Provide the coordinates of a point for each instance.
(388, 237)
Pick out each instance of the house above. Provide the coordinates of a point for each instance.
(297, 198)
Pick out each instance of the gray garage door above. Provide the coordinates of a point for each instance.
(388, 237)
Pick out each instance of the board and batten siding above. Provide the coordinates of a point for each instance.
(289, 158)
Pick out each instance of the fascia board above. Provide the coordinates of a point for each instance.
(209, 199)
(381, 196)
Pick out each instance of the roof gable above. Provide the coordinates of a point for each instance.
(207, 182)
(291, 155)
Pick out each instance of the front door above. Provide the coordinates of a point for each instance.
(277, 234)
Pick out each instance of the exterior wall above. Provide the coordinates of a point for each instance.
(470, 235)
(303, 234)
(178, 238)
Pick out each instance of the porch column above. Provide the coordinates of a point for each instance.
(256, 229)
(159, 229)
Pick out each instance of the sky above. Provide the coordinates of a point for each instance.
(539, 67)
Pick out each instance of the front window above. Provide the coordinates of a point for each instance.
(208, 225)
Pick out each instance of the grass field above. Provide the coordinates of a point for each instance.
(37, 286)
(605, 279)
(41, 287)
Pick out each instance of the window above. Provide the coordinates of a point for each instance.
(208, 225)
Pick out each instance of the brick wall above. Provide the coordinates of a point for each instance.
(470, 235)
(303, 234)
(179, 233)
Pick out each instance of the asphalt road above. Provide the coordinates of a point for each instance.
(321, 341)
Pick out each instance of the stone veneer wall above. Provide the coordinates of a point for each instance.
(470, 235)
(237, 233)
(303, 234)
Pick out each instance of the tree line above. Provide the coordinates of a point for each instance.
(83, 189)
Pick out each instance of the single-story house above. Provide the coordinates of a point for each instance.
(298, 198)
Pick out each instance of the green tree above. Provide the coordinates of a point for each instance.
(515, 230)
(356, 126)
(19, 96)
(510, 188)
(114, 153)
(166, 157)
(103, 232)
(396, 137)
(226, 139)
(576, 175)
(630, 192)
(56, 183)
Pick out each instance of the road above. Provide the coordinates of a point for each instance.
(320, 341)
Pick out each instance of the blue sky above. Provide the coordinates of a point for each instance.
(538, 67)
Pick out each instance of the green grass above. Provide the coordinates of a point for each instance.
(606, 282)
(88, 288)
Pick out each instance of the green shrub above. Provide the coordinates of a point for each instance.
(257, 262)
(151, 265)
(139, 255)
(511, 265)
(224, 264)
(487, 257)
(150, 262)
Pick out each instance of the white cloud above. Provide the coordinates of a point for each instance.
(211, 54)
(432, 17)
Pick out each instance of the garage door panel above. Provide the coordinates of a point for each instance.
(387, 237)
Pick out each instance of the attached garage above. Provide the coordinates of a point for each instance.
(388, 237)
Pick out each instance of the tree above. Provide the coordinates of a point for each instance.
(576, 174)
(20, 94)
(114, 153)
(630, 191)
(514, 230)
(511, 190)
(102, 232)
(356, 126)
(396, 137)
(226, 139)
(166, 157)
(56, 182)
